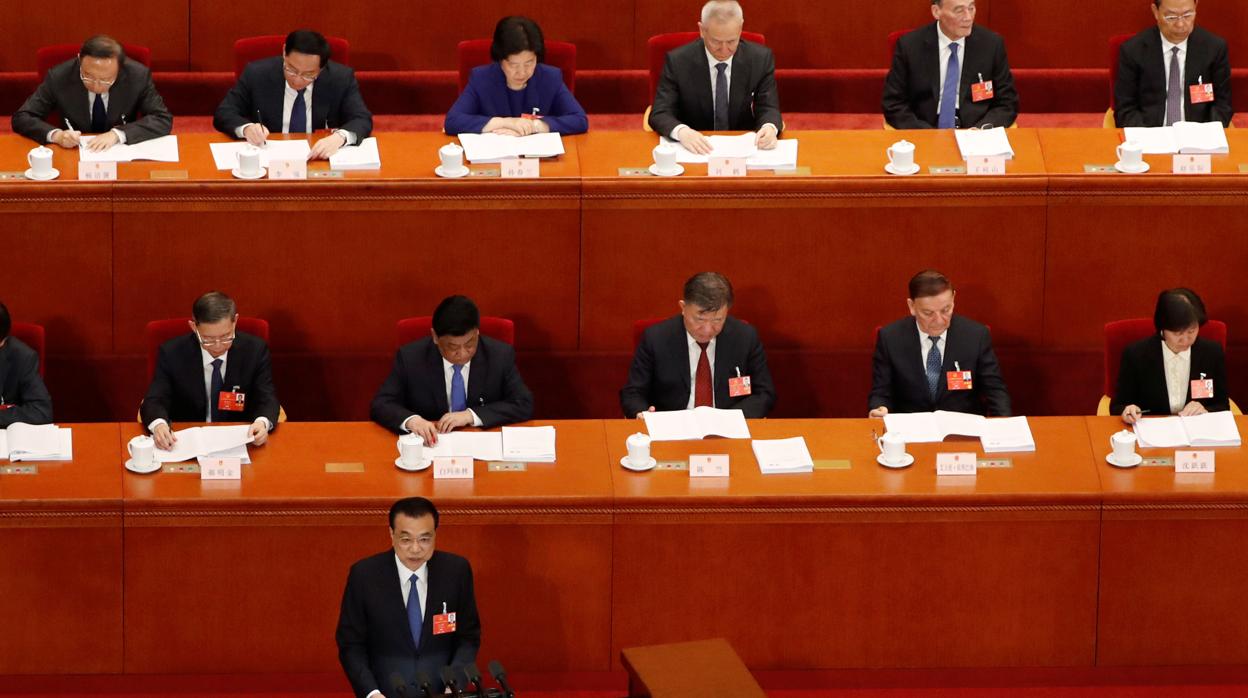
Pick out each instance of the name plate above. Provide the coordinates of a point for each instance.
(520, 168)
(506, 467)
(956, 463)
(1099, 169)
(1193, 164)
(180, 468)
(634, 172)
(671, 465)
(483, 171)
(994, 463)
(1157, 462)
(97, 171)
(946, 169)
(708, 465)
(19, 469)
(326, 174)
(988, 165)
(288, 169)
(220, 468)
(1193, 461)
(726, 167)
(12, 175)
(454, 468)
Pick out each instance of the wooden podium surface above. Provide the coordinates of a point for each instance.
(702, 669)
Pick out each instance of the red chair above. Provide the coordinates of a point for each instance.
(414, 328)
(158, 332)
(1115, 42)
(640, 327)
(475, 52)
(49, 57)
(659, 45)
(34, 337)
(1120, 333)
(257, 47)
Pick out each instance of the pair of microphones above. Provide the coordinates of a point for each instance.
(463, 682)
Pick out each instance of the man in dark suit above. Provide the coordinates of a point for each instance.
(297, 93)
(213, 374)
(409, 611)
(701, 357)
(719, 83)
(1162, 68)
(950, 74)
(454, 378)
(98, 92)
(934, 360)
(23, 397)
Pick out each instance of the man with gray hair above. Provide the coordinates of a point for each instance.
(718, 82)
(701, 357)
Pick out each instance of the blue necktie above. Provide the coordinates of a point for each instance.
(721, 97)
(214, 395)
(299, 114)
(933, 367)
(949, 95)
(415, 620)
(459, 397)
(99, 115)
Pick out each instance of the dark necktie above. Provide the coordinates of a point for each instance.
(415, 620)
(214, 394)
(459, 396)
(933, 367)
(949, 95)
(721, 97)
(299, 114)
(99, 115)
(1174, 91)
(703, 391)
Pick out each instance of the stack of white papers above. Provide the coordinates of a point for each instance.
(481, 445)
(698, 423)
(1212, 429)
(206, 441)
(932, 427)
(30, 442)
(357, 157)
(225, 155)
(783, 455)
(782, 157)
(491, 147)
(532, 444)
(1187, 137)
(163, 149)
(988, 142)
(1007, 434)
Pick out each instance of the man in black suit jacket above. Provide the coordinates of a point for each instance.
(23, 397)
(703, 346)
(272, 95)
(98, 92)
(689, 100)
(1141, 94)
(384, 632)
(914, 89)
(958, 372)
(454, 378)
(213, 374)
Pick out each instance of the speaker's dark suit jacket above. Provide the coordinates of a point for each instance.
(1140, 91)
(912, 88)
(374, 639)
(1142, 377)
(134, 106)
(417, 385)
(336, 100)
(177, 391)
(21, 386)
(660, 375)
(685, 92)
(899, 376)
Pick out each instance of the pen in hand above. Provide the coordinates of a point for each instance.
(260, 122)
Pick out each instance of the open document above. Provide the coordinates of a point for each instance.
(163, 149)
(782, 157)
(205, 441)
(932, 427)
(986, 142)
(1211, 429)
(777, 456)
(225, 155)
(363, 156)
(532, 444)
(698, 423)
(480, 445)
(1186, 137)
(36, 442)
(491, 147)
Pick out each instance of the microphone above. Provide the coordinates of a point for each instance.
(451, 681)
(474, 679)
(398, 684)
(496, 670)
(423, 686)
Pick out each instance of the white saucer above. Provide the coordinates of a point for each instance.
(628, 465)
(151, 468)
(238, 173)
(398, 463)
(1134, 462)
(654, 170)
(1131, 170)
(914, 168)
(30, 174)
(450, 175)
(905, 462)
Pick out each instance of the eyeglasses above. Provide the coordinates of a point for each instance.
(296, 74)
(214, 341)
(95, 81)
(1186, 16)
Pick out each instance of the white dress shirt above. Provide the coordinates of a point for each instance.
(289, 94)
(1178, 372)
(1166, 46)
(943, 42)
(925, 345)
(695, 352)
(712, 61)
(121, 136)
(405, 582)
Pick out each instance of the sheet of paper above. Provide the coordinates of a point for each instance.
(491, 147)
(915, 427)
(202, 441)
(364, 156)
(698, 423)
(163, 149)
(1212, 429)
(239, 452)
(41, 442)
(986, 142)
(225, 155)
(481, 445)
(1161, 432)
(782, 455)
(741, 146)
(1156, 140)
(533, 444)
(1197, 137)
(782, 157)
(1007, 434)
(960, 423)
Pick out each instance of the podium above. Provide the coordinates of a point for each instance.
(701, 669)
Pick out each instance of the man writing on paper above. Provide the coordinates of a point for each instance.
(935, 360)
(409, 609)
(297, 93)
(718, 82)
(97, 92)
(950, 74)
(23, 397)
(213, 374)
(456, 377)
(701, 357)
(1173, 72)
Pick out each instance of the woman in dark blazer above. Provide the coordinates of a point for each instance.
(517, 94)
(1143, 383)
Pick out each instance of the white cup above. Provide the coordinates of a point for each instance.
(901, 155)
(1123, 444)
(40, 161)
(893, 446)
(452, 157)
(249, 161)
(1130, 155)
(665, 158)
(638, 449)
(411, 450)
(142, 451)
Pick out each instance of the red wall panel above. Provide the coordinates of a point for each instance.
(161, 25)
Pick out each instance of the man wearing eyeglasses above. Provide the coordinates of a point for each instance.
(1173, 72)
(97, 92)
(213, 374)
(299, 92)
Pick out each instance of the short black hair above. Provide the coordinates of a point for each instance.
(515, 34)
(6, 322)
(102, 46)
(928, 282)
(309, 42)
(414, 507)
(213, 306)
(709, 290)
(1179, 309)
(456, 316)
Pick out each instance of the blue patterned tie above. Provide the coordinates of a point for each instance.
(721, 98)
(949, 95)
(99, 115)
(299, 114)
(415, 620)
(933, 367)
(214, 395)
(459, 398)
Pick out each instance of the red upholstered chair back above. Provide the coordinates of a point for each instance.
(475, 52)
(158, 332)
(34, 337)
(256, 47)
(49, 57)
(892, 42)
(1115, 42)
(1120, 333)
(414, 328)
(659, 44)
(640, 326)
